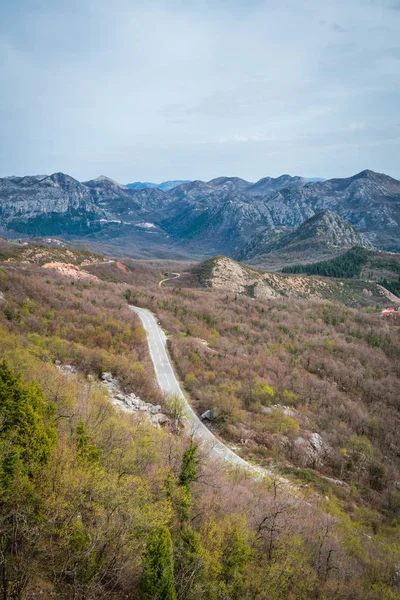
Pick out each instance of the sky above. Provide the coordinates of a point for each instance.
(149, 90)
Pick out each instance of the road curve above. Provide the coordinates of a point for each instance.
(176, 275)
(169, 385)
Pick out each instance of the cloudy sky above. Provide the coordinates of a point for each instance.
(193, 89)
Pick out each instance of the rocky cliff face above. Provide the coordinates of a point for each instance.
(203, 214)
(29, 197)
(225, 274)
(325, 233)
(369, 201)
(223, 216)
(329, 229)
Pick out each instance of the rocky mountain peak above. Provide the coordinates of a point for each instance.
(270, 184)
(229, 183)
(332, 229)
(326, 232)
(102, 180)
(192, 189)
(61, 180)
(373, 175)
(225, 215)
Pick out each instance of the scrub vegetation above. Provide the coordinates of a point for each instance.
(95, 504)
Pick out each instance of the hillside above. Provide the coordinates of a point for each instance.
(195, 219)
(222, 273)
(92, 486)
(323, 235)
(308, 384)
(358, 263)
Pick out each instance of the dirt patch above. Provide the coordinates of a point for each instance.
(70, 270)
(121, 267)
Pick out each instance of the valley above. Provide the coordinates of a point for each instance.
(200, 300)
(269, 387)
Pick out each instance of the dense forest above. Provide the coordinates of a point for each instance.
(345, 266)
(98, 504)
(391, 285)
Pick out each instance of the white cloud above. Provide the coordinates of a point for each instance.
(133, 89)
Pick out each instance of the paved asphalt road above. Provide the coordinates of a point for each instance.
(170, 385)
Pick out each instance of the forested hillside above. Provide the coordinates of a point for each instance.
(98, 504)
(347, 265)
(357, 263)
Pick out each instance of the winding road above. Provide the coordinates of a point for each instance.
(176, 275)
(169, 385)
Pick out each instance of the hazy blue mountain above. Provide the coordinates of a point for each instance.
(165, 185)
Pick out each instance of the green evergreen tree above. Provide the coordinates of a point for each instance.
(348, 265)
(189, 467)
(158, 567)
(27, 436)
(188, 474)
(237, 554)
(87, 451)
(27, 432)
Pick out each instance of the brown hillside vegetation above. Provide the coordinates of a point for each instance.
(275, 372)
(222, 273)
(97, 505)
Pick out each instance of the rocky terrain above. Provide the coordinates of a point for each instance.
(130, 403)
(322, 236)
(226, 215)
(29, 197)
(223, 273)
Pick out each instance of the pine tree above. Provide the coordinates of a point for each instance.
(190, 462)
(158, 567)
(188, 474)
(26, 426)
(27, 436)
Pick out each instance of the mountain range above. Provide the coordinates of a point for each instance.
(165, 186)
(195, 219)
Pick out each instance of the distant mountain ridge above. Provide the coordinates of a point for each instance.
(165, 186)
(226, 215)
